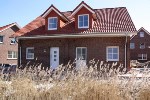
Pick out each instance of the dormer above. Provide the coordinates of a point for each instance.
(54, 19)
(83, 15)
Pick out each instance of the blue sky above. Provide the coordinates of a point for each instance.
(24, 11)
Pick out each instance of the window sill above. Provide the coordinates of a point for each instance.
(29, 58)
(112, 59)
(1, 42)
(12, 43)
(82, 27)
(52, 29)
(11, 58)
(142, 59)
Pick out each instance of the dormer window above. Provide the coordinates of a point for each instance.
(83, 21)
(52, 23)
(141, 34)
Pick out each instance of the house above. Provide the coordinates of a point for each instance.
(140, 46)
(85, 33)
(8, 46)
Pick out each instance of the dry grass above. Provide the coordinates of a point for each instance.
(67, 83)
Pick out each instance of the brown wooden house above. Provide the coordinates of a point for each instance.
(83, 34)
(140, 46)
(8, 46)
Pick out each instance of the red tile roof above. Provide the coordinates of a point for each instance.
(107, 20)
(6, 26)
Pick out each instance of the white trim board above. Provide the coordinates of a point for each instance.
(82, 5)
(76, 35)
(52, 8)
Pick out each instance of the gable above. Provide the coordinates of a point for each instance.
(146, 34)
(80, 6)
(54, 9)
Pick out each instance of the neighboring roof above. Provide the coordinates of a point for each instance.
(82, 4)
(8, 26)
(56, 10)
(108, 20)
(142, 28)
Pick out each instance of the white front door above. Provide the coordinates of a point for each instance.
(54, 57)
(81, 55)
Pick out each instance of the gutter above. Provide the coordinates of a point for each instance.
(75, 35)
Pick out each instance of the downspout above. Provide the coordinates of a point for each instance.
(126, 51)
(20, 55)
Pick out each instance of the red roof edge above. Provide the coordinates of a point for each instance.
(52, 6)
(80, 5)
(9, 25)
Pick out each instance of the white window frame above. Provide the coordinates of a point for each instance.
(12, 40)
(29, 53)
(143, 46)
(81, 52)
(142, 56)
(49, 23)
(12, 54)
(141, 34)
(132, 45)
(83, 21)
(112, 53)
(3, 39)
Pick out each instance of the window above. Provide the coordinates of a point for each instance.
(52, 23)
(30, 53)
(1, 39)
(83, 21)
(13, 41)
(12, 55)
(81, 53)
(142, 56)
(113, 53)
(132, 45)
(142, 45)
(141, 34)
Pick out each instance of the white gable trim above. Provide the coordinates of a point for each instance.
(139, 31)
(52, 8)
(82, 5)
(10, 26)
(144, 30)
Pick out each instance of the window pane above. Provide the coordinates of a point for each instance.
(85, 23)
(141, 34)
(80, 24)
(79, 57)
(110, 56)
(115, 56)
(51, 20)
(30, 50)
(85, 17)
(83, 51)
(53, 25)
(115, 50)
(9, 52)
(83, 57)
(80, 18)
(78, 51)
(1, 38)
(109, 50)
(132, 46)
(29, 56)
(55, 20)
(9, 56)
